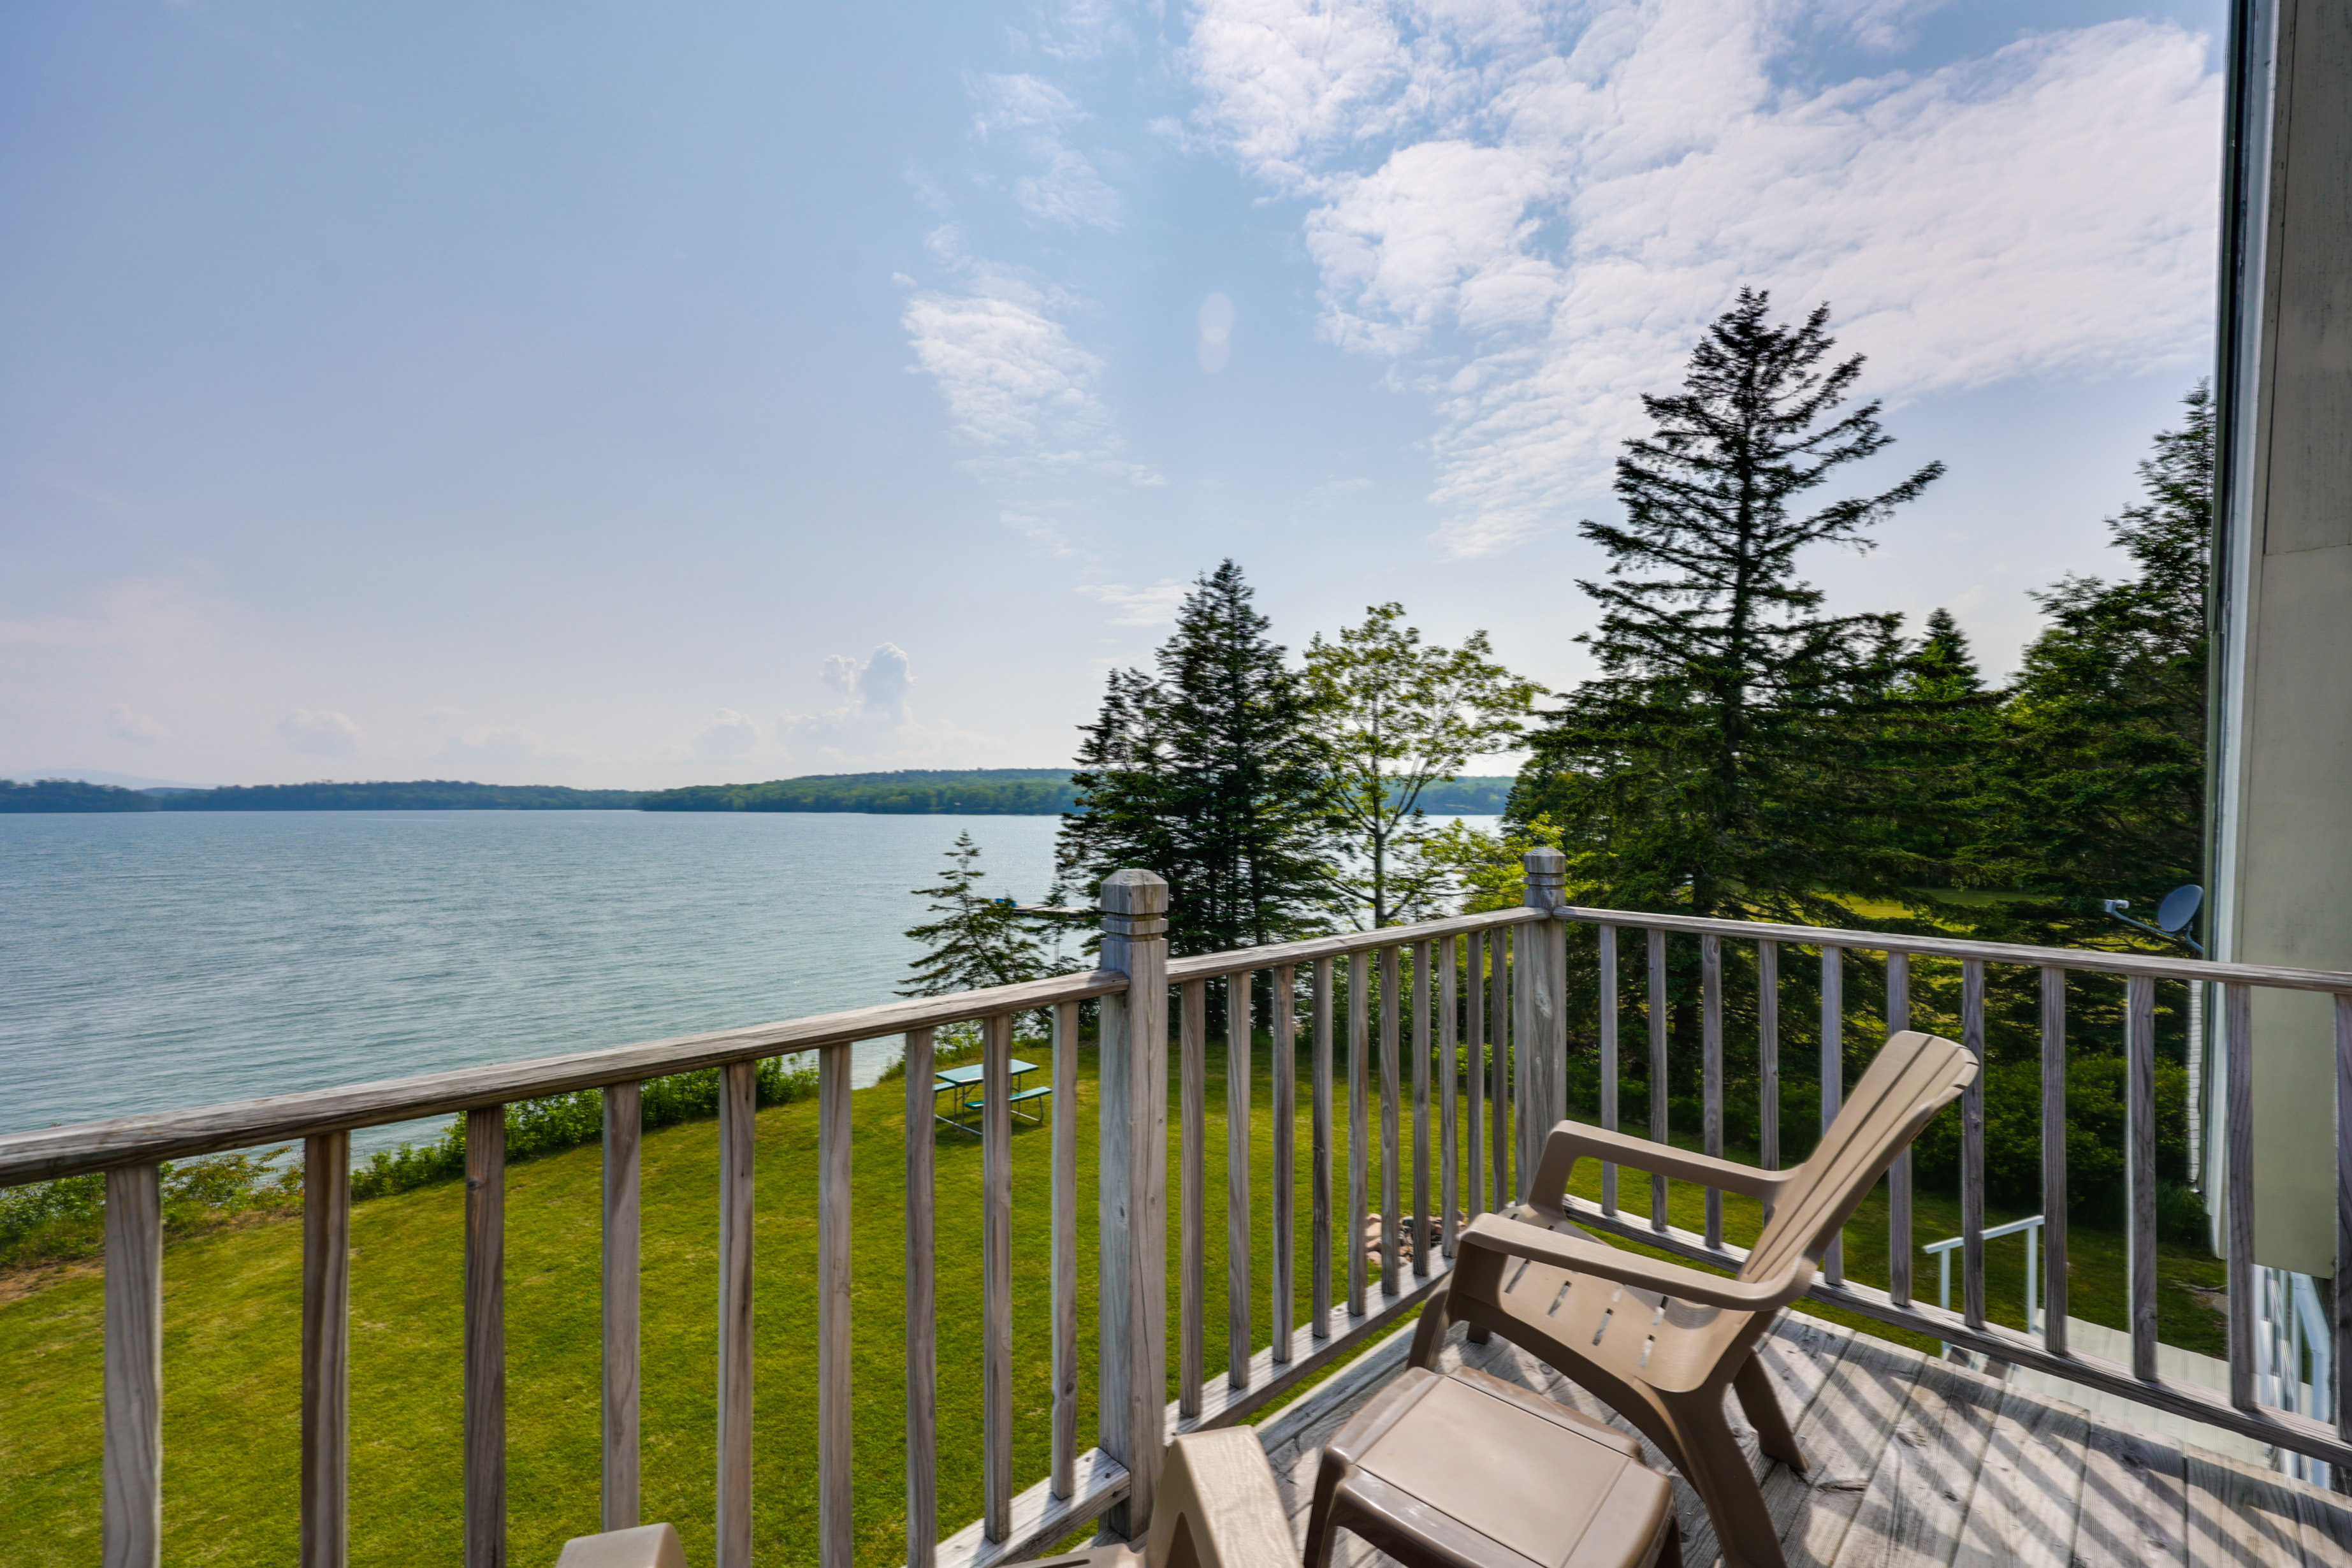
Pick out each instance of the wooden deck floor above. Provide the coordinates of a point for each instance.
(1919, 1463)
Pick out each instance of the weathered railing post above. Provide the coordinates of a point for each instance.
(1539, 990)
(1133, 1180)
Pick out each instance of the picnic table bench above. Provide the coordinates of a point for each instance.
(953, 1081)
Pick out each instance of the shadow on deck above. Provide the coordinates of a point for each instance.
(1920, 1462)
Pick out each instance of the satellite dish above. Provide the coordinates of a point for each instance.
(2179, 907)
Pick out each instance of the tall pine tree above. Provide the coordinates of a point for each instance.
(1207, 774)
(1740, 750)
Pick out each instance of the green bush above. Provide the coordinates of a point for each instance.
(559, 1122)
(62, 1221)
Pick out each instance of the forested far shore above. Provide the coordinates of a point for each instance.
(981, 792)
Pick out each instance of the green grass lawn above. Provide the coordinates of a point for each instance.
(231, 1325)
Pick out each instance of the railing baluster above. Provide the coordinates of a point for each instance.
(2341, 1330)
(486, 1338)
(327, 1348)
(1768, 1051)
(1066, 1250)
(2139, 1065)
(1192, 1284)
(738, 1131)
(1238, 1338)
(2053, 1159)
(1710, 950)
(922, 1306)
(2238, 1132)
(1832, 1079)
(1658, 1007)
(1474, 1020)
(623, 1139)
(1359, 1072)
(1391, 1219)
(1898, 1174)
(1425, 965)
(1318, 1155)
(1285, 1174)
(1499, 1040)
(1609, 1060)
(995, 1281)
(132, 1517)
(836, 1539)
(1449, 1144)
(1972, 1035)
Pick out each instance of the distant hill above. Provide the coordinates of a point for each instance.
(422, 794)
(914, 792)
(982, 792)
(977, 792)
(72, 794)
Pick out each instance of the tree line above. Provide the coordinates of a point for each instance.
(1742, 751)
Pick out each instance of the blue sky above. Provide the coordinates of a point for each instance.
(635, 395)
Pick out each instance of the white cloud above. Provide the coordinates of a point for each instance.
(126, 725)
(1151, 607)
(319, 734)
(875, 689)
(1019, 390)
(874, 724)
(1032, 117)
(1531, 225)
(728, 734)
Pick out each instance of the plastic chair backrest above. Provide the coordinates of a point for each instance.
(1913, 1076)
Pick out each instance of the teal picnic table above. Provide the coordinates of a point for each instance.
(954, 1081)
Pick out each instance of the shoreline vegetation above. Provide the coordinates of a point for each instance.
(977, 792)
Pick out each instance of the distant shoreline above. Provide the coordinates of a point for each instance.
(981, 792)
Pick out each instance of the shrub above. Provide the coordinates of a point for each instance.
(65, 1220)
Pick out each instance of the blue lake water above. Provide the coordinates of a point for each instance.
(157, 960)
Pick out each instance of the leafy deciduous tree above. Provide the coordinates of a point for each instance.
(1393, 715)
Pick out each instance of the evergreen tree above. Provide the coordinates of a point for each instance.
(1740, 752)
(1941, 697)
(975, 942)
(2093, 785)
(1207, 774)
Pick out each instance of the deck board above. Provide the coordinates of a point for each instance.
(1919, 1463)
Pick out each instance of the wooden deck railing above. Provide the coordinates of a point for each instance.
(1413, 1005)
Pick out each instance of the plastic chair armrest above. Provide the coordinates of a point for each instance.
(1572, 1140)
(1516, 1239)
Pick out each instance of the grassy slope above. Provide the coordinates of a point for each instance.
(232, 1327)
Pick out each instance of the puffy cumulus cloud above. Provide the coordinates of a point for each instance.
(125, 725)
(728, 734)
(874, 724)
(319, 734)
(1032, 117)
(1530, 216)
(1151, 607)
(876, 688)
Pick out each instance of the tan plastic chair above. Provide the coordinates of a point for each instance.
(1467, 1471)
(1661, 1344)
(1217, 1508)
